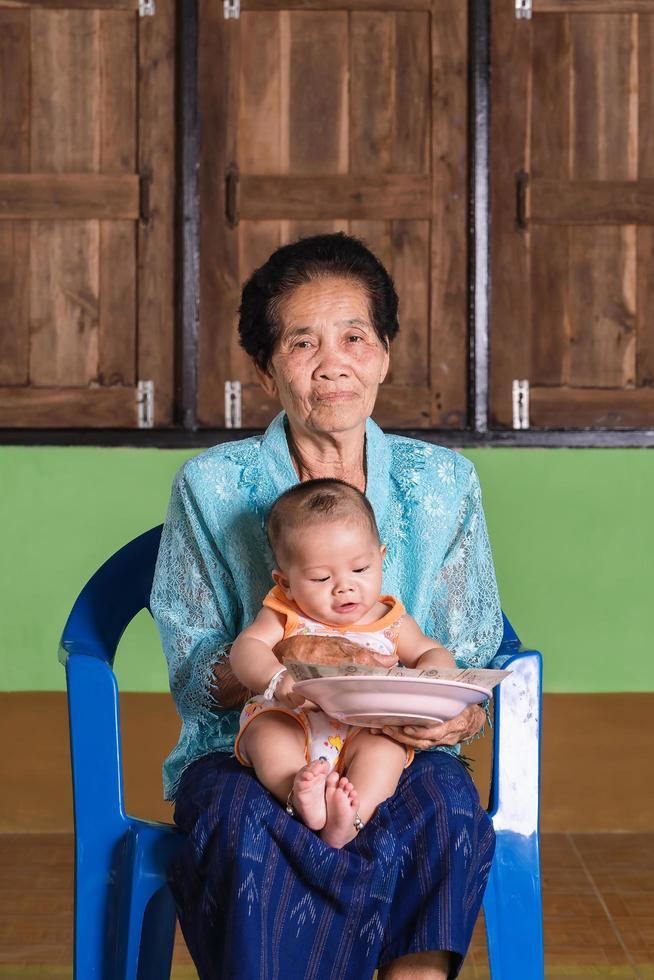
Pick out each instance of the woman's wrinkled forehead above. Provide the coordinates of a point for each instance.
(326, 300)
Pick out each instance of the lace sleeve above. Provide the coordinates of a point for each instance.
(466, 614)
(193, 601)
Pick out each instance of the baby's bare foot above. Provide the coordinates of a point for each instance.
(308, 797)
(342, 801)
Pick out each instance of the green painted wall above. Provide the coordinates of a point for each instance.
(572, 534)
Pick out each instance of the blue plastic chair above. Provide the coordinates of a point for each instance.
(124, 912)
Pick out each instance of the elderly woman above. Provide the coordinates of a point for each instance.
(259, 894)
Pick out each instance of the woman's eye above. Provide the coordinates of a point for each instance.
(303, 344)
(364, 569)
(355, 338)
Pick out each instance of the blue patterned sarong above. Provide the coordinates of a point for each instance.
(260, 897)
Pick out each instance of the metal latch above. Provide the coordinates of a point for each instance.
(523, 9)
(145, 404)
(232, 404)
(146, 8)
(231, 9)
(521, 404)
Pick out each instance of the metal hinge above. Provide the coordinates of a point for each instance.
(145, 404)
(521, 404)
(146, 8)
(231, 9)
(523, 9)
(232, 404)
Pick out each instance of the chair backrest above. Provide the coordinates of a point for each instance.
(111, 598)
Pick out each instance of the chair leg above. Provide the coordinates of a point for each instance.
(513, 909)
(158, 937)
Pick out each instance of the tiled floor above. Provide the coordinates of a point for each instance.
(598, 905)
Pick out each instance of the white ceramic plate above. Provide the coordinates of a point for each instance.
(378, 700)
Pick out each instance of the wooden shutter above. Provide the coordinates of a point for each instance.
(331, 118)
(573, 212)
(86, 150)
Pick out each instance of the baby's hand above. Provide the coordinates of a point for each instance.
(285, 695)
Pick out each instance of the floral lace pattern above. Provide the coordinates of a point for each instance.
(214, 563)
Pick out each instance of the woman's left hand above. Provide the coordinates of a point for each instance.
(458, 729)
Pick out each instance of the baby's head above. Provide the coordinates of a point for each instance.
(326, 544)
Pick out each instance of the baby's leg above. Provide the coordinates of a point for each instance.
(373, 765)
(275, 744)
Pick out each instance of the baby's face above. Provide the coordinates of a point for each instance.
(333, 571)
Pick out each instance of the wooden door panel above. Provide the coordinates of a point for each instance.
(73, 318)
(324, 119)
(575, 316)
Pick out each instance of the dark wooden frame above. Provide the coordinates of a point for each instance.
(187, 282)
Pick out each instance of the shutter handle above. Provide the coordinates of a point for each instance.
(231, 196)
(521, 182)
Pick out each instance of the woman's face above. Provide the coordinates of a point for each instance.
(328, 361)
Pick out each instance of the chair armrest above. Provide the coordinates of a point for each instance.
(515, 785)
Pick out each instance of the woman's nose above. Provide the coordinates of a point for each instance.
(331, 365)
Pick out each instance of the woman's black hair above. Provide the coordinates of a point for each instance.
(303, 261)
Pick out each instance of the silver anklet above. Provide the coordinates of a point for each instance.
(289, 805)
(358, 822)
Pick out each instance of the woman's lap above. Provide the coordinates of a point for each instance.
(260, 895)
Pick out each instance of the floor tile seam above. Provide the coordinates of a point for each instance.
(602, 902)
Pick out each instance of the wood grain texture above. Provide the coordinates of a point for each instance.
(317, 93)
(68, 196)
(334, 5)
(156, 237)
(602, 61)
(645, 262)
(372, 91)
(602, 307)
(592, 202)
(510, 313)
(568, 407)
(219, 72)
(118, 91)
(65, 91)
(14, 302)
(259, 134)
(15, 158)
(64, 291)
(117, 315)
(412, 107)
(593, 6)
(448, 330)
(62, 408)
(71, 4)
(550, 158)
(410, 271)
(331, 197)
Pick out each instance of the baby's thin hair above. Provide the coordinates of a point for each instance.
(315, 502)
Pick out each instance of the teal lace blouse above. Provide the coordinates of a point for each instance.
(214, 562)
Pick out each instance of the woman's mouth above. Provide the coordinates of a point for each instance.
(336, 396)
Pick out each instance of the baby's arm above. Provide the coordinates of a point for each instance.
(414, 649)
(254, 663)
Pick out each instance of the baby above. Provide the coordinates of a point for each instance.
(328, 579)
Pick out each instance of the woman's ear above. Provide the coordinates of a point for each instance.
(266, 379)
(280, 579)
(385, 364)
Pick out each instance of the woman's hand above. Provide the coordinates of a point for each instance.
(460, 728)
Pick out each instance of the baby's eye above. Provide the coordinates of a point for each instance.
(364, 569)
(320, 579)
